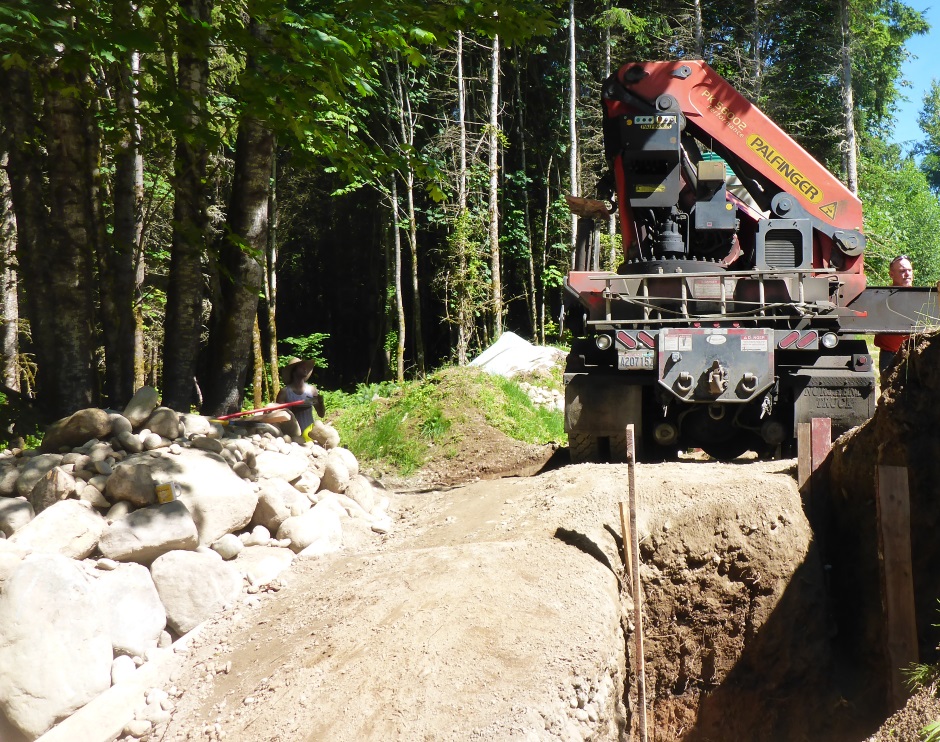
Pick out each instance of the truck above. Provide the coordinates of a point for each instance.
(740, 308)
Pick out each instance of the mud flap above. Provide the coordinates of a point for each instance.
(602, 406)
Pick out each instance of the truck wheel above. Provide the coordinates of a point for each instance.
(582, 448)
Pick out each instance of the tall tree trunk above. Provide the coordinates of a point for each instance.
(611, 220)
(850, 148)
(460, 288)
(497, 285)
(530, 289)
(699, 36)
(572, 119)
(36, 262)
(407, 125)
(270, 282)
(399, 303)
(548, 208)
(120, 268)
(257, 381)
(183, 323)
(242, 276)
(9, 306)
(69, 307)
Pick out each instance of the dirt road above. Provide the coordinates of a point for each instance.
(494, 612)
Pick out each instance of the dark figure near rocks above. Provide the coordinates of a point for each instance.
(902, 274)
(296, 389)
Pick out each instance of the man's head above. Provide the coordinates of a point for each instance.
(901, 270)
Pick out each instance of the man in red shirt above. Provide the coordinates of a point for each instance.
(902, 274)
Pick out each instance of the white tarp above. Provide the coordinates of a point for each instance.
(511, 355)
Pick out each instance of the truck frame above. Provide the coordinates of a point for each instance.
(737, 311)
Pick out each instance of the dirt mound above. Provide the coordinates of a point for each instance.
(494, 611)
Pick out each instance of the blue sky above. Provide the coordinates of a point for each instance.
(919, 72)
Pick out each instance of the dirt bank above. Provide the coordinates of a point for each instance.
(494, 612)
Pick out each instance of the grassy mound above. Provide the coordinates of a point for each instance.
(401, 427)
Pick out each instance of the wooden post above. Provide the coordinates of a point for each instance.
(897, 580)
(637, 591)
(804, 453)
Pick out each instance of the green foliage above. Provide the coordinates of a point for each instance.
(308, 347)
(931, 732)
(399, 426)
(902, 216)
(929, 121)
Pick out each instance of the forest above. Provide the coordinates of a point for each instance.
(192, 191)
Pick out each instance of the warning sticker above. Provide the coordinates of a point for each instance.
(829, 210)
(754, 343)
(650, 189)
(672, 341)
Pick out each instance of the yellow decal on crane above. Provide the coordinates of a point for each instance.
(789, 171)
(829, 210)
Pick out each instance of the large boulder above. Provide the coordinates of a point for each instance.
(145, 534)
(34, 470)
(278, 501)
(319, 528)
(55, 654)
(137, 617)
(325, 435)
(77, 429)
(9, 473)
(192, 425)
(193, 587)
(132, 481)
(141, 405)
(69, 528)
(336, 474)
(263, 564)
(220, 501)
(15, 512)
(54, 486)
(275, 465)
(360, 489)
(165, 422)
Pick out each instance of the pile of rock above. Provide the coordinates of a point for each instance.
(125, 530)
(550, 399)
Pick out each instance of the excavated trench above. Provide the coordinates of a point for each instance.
(763, 614)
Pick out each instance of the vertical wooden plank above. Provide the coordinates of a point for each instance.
(894, 545)
(804, 453)
(637, 591)
(627, 545)
(821, 440)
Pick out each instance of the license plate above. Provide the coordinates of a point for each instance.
(636, 360)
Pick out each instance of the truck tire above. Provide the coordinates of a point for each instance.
(582, 448)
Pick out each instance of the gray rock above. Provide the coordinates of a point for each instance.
(75, 429)
(193, 587)
(15, 512)
(154, 441)
(242, 469)
(205, 443)
(263, 564)
(165, 422)
(100, 451)
(192, 425)
(136, 615)
(335, 475)
(220, 501)
(79, 460)
(69, 528)
(324, 434)
(145, 534)
(278, 501)
(130, 442)
(137, 728)
(99, 481)
(104, 467)
(122, 668)
(55, 485)
(360, 489)
(274, 465)
(54, 656)
(133, 482)
(307, 483)
(120, 424)
(259, 536)
(319, 529)
(9, 473)
(348, 457)
(92, 495)
(118, 510)
(34, 470)
(142, 404)
(228, 547)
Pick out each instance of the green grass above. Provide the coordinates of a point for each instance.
(400, 426)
